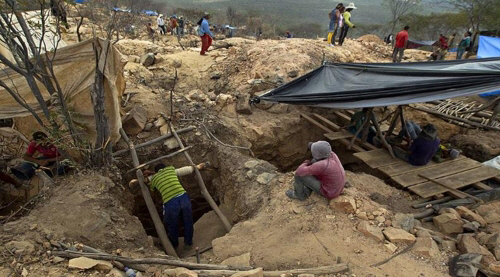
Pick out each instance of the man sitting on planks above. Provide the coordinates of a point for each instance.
(176, 201)
(422, 147)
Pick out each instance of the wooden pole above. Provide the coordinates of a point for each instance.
(160, 228)
(201, 183)
(494, 115)
(158, 139)
(170, 262)
(380, 135)
(322, 270)
(394, 121)
(365, 121)
(366, 128)
(403, 123)
(160, 158)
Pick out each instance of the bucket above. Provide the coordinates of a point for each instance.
(24, 171)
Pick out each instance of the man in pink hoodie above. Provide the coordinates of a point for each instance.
(324, 174)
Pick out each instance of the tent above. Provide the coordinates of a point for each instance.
(357, 85)
(488, 47)
(74, 67)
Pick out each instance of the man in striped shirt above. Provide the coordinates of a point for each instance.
(176, 202)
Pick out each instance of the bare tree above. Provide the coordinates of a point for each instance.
(33, 52)
(231, 15)
(476, 10)
(400, 8)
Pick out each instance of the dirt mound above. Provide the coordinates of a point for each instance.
(371, 38)
(290, 234)
(85, 209)
(478, 145)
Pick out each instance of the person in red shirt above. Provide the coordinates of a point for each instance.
(43, 153)
(401, 44)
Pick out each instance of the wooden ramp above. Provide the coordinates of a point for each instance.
(459, 173)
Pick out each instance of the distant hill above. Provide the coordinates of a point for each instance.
(293, 12)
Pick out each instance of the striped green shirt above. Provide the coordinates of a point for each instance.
(167, 183)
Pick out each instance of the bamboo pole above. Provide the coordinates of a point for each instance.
(201, 183)
(158, 139)
(160, 158)
(379, 133)
(494, 115)
(456, 119)
(158, 223)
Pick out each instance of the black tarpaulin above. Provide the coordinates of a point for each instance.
(358, 85)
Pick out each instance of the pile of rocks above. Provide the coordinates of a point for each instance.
(475, 235)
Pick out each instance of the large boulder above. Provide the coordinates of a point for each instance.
(470, 215)
(466, 265)
(398, 235)
(371, 231)
(468, 244)
(179, 272)
(449, 223)
(83, 263)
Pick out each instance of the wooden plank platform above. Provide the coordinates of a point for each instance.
(377, 158)
(437, 171)
(338, 135)
(405, 168)
(456, 181)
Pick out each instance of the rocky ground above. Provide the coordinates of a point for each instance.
(366, 225)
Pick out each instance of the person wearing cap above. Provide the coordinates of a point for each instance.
(401, 44)
(205, 34)
(334, 23)
(422, 149)
(161, 24)
(180, 28)
(347, 22)
(324, 174)
(173, 25)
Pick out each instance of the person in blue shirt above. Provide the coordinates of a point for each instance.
(205, 34)
(334, 23)
(464, 45)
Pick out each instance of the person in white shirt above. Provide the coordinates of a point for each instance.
(161, 24)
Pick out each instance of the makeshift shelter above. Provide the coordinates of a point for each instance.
(74, 67)
(358, 85)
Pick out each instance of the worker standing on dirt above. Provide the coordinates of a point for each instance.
(161, 24)
(176, 202)
(401, 44)
(324, 174)
(334, 23)
(180, 29)
(464, 45)
(205, 34)
(347, 22)
(151, 32)
(173, 25)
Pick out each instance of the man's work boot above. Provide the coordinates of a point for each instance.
(291, 194)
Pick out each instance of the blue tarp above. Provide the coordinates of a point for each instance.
(489, 47)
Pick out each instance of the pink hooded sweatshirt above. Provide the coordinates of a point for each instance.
(329, 171)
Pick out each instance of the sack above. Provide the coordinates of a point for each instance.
(199, 31)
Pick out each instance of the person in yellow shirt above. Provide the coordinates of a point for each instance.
(347, 22)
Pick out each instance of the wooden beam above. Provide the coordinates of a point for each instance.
(158, 139)
(379, 132)
(201, 183)
(337, 127)
(394, 122)
(160, 158)
(343, 141)
(158, 223)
